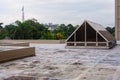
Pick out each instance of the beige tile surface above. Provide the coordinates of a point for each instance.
(54, 62)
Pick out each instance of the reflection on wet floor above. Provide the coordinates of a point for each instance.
(57, 63)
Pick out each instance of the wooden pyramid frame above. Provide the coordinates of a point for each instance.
(90, 35)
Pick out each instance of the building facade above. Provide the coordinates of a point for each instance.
(117, 19)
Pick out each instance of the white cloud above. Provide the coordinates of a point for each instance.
(59, 11)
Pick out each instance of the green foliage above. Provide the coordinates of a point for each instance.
(59, 36)
(31, 29)
(2, 32)
(111, 30)
(64, 31)
(46, 34)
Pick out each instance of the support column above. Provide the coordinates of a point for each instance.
(85, 34)
(117, 19)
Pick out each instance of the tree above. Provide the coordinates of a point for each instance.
(32, 29)
(1, 25)
(2, 32)
(29, 29)
(47, 35)
(10, 30)
(111, 30)
(59, 36)
(65, 30)
(70, 30)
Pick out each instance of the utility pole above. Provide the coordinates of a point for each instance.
(23, 13)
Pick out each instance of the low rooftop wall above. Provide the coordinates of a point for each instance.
(37, 41)
(7, 55)
(13, 44)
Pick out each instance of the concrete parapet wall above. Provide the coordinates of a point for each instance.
(8, 55)
(37, 41)
(14, 44)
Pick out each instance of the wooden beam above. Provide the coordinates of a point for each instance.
(107, 44)
(75, 39)
(96, 38)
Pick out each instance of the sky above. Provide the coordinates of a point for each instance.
(59, 11)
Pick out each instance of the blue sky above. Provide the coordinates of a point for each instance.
(59, 11)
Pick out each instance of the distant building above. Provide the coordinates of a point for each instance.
(51, 26)
(7, 38)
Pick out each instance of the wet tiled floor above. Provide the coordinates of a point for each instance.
(54, 62)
